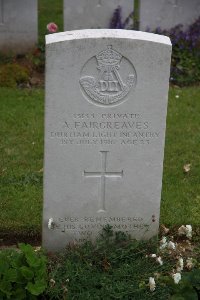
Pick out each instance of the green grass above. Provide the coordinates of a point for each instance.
(49, 11)
(181, 192)
(21, 151)
(116, 267)
(109, 270)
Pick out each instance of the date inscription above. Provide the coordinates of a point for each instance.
(105, 129)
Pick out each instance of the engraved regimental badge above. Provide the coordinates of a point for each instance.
(107, 78)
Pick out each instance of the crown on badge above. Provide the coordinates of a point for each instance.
(108, 57)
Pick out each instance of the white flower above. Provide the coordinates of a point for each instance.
(176, 277)
(153, 255)
(163, 243)
(185, 230)
(164, 240)
(156, 275)
(152, 284)
(177, 96)
(159, 260)
(165, 229)
(180, 264)
(171, 245)
(182, 230)
(50, 223)
(52, 282)
(37, 249)
(65, 290)
(186, 168)
(188, 231)
(189, 263)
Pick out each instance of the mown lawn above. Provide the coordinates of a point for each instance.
(21, 150)
(181, 192)
(49, 11)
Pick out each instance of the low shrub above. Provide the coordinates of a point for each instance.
(185, 67)
(23, 273)
(188, 287)
(37, 58)
(13, 74)
(114, 267)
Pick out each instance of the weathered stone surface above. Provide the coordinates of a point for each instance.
(18, 25)
(81, 14)
(168, 13)
(106, 105)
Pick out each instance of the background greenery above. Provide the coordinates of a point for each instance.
(49, 11)
(113, 268)
(21, 150)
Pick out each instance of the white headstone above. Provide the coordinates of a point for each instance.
(18, 25)
(106, 105)
(81, 14)
(1, 12)
(168, 13)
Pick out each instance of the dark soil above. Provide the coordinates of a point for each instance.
(11, 239)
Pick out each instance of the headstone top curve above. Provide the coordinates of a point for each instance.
(106, 33)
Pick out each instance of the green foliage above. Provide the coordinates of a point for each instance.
(13, 74)
(185, 66)
(37, 58)
(49, 12)
(6, 58)
(21, 151)
(23, 273)
(188, 287)
(181, 191)
(24, 180)
(115, 267)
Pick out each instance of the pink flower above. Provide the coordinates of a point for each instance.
(52, 27)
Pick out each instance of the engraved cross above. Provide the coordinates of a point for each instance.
(103, 174)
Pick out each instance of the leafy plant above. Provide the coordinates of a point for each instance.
(23, 273)
(37, 58)
(187, 289)
(13, 74)
(185, 69)
(6, 58)
(115, 267)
